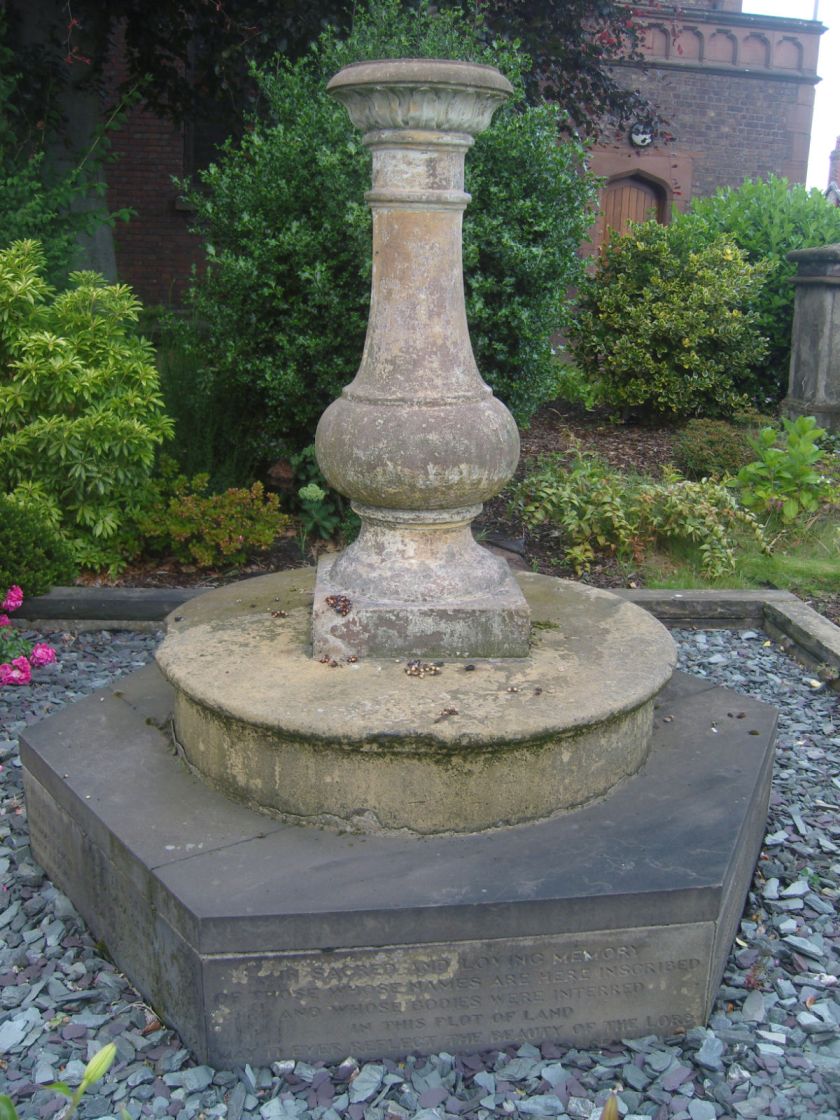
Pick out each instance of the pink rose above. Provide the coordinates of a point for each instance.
(4, 620)
(42, 654)
(19, 672)
(14, 598)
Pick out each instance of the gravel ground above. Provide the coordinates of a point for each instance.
(772, 1048)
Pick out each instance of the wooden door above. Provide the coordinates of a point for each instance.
(624, 201)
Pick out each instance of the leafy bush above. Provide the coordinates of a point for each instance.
(784, 481)
(32, 553)
(574, 386)
(80, 411)
(665, 325)
(208, 529)
(284, 300)
(593, 507)
(767, 219)
(711, 449)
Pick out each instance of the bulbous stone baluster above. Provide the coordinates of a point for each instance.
(417, 441)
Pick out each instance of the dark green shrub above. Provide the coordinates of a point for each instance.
(767, 219)
(665, 325)
(711, 449)
(284, 300)
(32, 553)
(80, 411)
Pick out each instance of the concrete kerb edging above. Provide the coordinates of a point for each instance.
(803, 632)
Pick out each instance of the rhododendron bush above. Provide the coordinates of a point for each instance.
(80, 409)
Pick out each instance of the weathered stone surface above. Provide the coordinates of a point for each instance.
(139, 604)
(417, 440)
(706, 609)
(814, 388)
(364, 746)
(812, 636)
(494, 624)
(255, 937)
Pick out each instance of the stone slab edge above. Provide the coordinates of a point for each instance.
(804, 633)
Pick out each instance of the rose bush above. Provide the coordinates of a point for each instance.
(18, 656)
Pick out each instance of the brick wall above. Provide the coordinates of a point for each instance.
(731, 127)
(736, 91)
(155, 250)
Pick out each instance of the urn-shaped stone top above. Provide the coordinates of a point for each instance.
(420, 93)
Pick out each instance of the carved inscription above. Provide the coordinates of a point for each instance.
(466, 995)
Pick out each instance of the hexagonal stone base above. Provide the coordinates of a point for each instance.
(258, 939)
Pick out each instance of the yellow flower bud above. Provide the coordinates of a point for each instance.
(99, 1065)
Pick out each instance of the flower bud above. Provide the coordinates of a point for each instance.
(99, 1065)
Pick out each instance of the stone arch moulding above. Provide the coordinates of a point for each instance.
(789, 54)
(690, 45)
(755, 50)
(658, 42)
(722, 47)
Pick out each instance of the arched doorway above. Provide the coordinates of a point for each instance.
(631, 198)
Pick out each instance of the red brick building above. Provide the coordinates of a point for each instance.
(738, 91)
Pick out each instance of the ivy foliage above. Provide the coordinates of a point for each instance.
(283, 304)
(36, 201)
(666, 325)
(767, 219)
(80, 409)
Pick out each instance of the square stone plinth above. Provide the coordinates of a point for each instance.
(259, 940)
(490, 626)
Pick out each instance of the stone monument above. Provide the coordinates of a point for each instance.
(410, 803)
(814, 388)
(417, 440)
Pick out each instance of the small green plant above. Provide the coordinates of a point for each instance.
(594, 508)
(665, 325)
(783, 481)
(209, 529)
(315, 513)
(711, 449)
(322, 511)
(32, 553)
(94, 1071)
(80, 410)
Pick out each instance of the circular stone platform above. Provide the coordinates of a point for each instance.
(366, 747)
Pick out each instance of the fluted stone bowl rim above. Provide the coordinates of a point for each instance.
(420, 72)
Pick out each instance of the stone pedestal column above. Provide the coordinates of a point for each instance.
(417, 441)
(814, 388)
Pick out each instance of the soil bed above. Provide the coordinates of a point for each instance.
(557, 427)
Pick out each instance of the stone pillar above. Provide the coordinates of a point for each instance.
(814, 388)
(417, 441)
